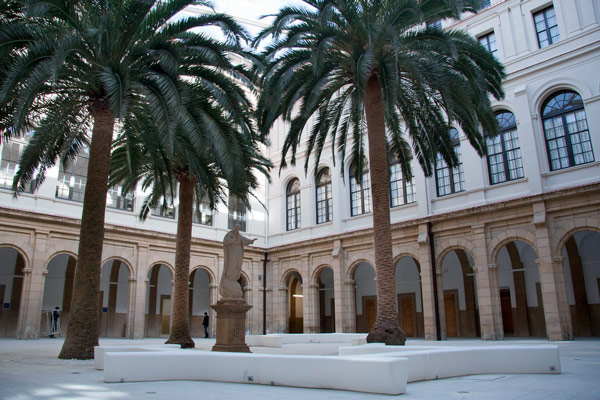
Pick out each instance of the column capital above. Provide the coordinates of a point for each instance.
(132, 279)
(213, 285)
(493, 266)
(349, 281)
(283, 288)
(313, 285)
(558, 260)
(27, 271)
(439, 272)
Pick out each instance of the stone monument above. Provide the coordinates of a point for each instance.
(231, 308)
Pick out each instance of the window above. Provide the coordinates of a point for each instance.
(489, 42)
(11, 152)
(437, 24)
(450, 180)
(203, 216)
(566, 130)
(72, 180)
(360, 193)
(324, 197)
(546, 27)
(237, 213)
(292, 196)
(401, 191)
(165, 209)
(121, 201)
(484, 4)
(504, 153)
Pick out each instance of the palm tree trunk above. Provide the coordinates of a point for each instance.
(180, 329)
(83, 330)
(386, 328)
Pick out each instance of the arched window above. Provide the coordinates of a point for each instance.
(293, 204)
(360, 193)
(566, 131)
(401, 190)
(324, 198)
(504, 153)
(448, 180)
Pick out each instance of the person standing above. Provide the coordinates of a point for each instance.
(205, 324)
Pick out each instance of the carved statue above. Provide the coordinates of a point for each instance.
(233, 247)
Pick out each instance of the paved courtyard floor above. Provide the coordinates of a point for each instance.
(30, 370)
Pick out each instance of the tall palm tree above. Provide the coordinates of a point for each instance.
(73, 71)
(374, 68)
(198, 161)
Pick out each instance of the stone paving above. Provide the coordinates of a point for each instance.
(30, 370)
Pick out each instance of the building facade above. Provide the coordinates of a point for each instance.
(505, 245)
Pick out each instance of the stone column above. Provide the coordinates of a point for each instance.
(427, 287)
(554, 291)
(311, 308)
(137, 296)
(349, 301)
(441, 304)
(213, 293)
(488, 294)
(281, 310)
(33, 286)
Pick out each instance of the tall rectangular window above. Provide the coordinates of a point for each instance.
(204, 216)
(546, 27)
(324, 197)
(401, 191)
(360, 193)
(164, 209)
(489, 42)
(10, 160)
(450, 180)
(504, 152)
(121, 201)
(237, 213)
(72, 180)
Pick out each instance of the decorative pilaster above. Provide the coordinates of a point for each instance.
(427, 286)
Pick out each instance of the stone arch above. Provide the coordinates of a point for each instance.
(365, 295)
(12, 288)
(286, 275)
(406, 254)
(58, 291)
(503, 238)
(352, 269)
(317, 271)
(455, 244)
(324, 283)
(115, 300)
(158, 300)
(200, 299)
(570, 228)
(20, 251)
(294, 300)
(546, 90)
(409, 296)
(211, 275)
(58, 253)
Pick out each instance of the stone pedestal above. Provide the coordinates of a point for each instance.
(231, 325)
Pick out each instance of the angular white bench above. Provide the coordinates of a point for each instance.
(435, 362)
(280, 339)
(100, 351)
(372, 374)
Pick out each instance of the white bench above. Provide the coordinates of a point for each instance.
(435, 362)
(100, 351)
(372, 374)
(280, 339)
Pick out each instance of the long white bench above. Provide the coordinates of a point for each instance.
(280, 339)
(435, 362)
(372, 374)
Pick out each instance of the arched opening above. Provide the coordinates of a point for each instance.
(326, 301)
(410, 300)
(366, 297)
(199, 301)
(460, 301)
(11, 286)
(520, 291)
(58, 292)
(295, 303)
(581, 254)
(158, 301)
(114, 298)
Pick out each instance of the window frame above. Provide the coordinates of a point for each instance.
(71, 171)
(503, 131)
(293, 209)
(405, 186)
(487, 45)
(169, 211)
(326, 203)
(562, 114)
(206, 214)
(452, 172)
(363, 193)
(236, 213)
(550, 39)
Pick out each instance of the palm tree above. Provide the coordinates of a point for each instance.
(373, 67)
(213, 150)
(74, 71)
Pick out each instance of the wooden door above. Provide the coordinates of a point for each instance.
(506, 307)
(451, 314)
(407, 313)
(165, 313)
(370, 310)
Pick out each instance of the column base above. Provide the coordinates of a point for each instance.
(231, 325)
